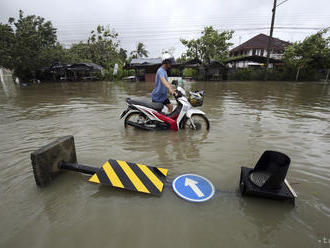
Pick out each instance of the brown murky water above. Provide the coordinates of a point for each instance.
(246, 118)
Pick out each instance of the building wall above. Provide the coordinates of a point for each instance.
(150, 77)
(246, 64)
(258, 52)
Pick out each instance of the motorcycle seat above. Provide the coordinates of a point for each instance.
(158, 106)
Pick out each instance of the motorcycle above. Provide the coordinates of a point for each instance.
(148, 115)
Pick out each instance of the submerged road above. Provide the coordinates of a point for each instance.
(246, 118)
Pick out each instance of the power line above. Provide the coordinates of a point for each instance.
(282, 3)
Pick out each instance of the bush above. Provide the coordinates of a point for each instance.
(189, 72)
(121, 73)
(108, 74)
(175, 72)
(284, 73)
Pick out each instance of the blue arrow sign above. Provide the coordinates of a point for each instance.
(193, 188)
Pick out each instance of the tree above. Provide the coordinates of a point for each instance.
(123, 55)
(30, 43)
(170, 50)
(103, 46)
(140, 51)
(32, 40)
(77, 53)
(7, 40)
(311, 54)
(181, 59)
(212, 45)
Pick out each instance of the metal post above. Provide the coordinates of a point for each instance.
(297, 74)
(271, 34)
(78, 168)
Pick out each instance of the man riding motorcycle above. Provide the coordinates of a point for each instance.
(148, 115)
(162, 86)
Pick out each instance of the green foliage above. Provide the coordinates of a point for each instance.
(174, 72)
(7, 41)
(108, 73)
(311, 54)
(140, 51)
(247, 74)
(52, 54)
(33, 44)
(183, 58)
(103, 46)
(77, 53)
(212, 45)
(30, 43)
(122, 55)
(284, 73)
(189, 72)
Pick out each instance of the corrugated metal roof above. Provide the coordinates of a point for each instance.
(151, 61)
(92, 66)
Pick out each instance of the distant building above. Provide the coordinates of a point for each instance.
(74, 72)
(84, 71)
(145, 68)
(214, 70)
(256, 49)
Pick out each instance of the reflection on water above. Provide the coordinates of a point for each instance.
(246, 118)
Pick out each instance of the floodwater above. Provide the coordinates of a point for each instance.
(246, 118)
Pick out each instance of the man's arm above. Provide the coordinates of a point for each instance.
(168, 85)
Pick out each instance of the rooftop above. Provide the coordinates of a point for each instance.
(261, 42)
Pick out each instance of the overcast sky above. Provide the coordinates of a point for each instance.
(160, 24)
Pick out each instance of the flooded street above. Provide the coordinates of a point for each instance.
(246, 118)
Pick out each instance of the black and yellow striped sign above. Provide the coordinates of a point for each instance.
(131, 176)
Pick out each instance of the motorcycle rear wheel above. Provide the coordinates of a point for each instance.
(200, 122)
(135, 117)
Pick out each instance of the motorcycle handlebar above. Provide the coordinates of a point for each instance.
(178, 94)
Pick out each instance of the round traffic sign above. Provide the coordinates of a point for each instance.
(192, 187)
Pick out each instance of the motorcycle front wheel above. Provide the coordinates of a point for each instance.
(134, 118)
(197, 122)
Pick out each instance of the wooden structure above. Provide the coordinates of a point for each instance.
(215, 70)
(146, 68)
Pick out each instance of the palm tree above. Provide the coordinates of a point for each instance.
(140, 51)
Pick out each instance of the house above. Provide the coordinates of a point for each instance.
(214, 70)
(145, 68)
(254, 51)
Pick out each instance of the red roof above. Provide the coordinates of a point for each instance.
(261, 42)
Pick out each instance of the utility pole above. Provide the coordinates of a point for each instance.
(271, 34)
